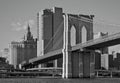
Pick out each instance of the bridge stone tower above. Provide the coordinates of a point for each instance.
(81, 62)
(54, 32)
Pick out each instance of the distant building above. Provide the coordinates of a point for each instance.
(111, 61)
(5, 53)
(97, 60)
(24, 50)
(105, 61)
(101, 55)
(117, 61)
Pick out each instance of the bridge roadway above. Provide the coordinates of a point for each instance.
(104, 41)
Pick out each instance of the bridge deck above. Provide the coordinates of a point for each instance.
(100, 42)
(92, 44)
(47, 57)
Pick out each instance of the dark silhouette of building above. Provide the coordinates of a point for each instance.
(97, 60)
(117, 61)
(111, 61)
(24, 50)
(101, 57)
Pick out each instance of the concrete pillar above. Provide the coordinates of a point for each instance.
(88, 64)
(55, 63)
(40, 42)
(83, 64)
(68, 49)
(80, 64)
(92, 64)
(75, 64)
(64, 65)
(64, 47)
(67, 66)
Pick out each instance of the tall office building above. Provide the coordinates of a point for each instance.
(117, 61)
(24, 50)
(50, 32)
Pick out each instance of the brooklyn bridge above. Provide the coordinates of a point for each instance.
(60, 42)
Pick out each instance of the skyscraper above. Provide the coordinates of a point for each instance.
(50, 32)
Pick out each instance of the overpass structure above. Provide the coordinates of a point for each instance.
(78, 60)
(102, 42)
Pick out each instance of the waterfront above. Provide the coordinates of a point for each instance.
(59, 80)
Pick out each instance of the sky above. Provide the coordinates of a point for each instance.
(16, 14)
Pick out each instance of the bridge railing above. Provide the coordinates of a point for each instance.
(33, 72)
(108, 73)
(112, 36)
(52, 70)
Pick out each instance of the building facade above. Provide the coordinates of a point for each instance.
(50, 32)
(116, 61)
(102, 56)
(24, 50)
(5, 53)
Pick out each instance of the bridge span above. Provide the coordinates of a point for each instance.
(78, 60)
(98, 43)
(102, 42)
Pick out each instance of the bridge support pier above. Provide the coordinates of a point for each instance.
(88, 64)
(83, 64)
(76, 63)
(79, 64)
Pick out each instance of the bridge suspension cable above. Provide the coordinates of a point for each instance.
(110, 28)
(85, 20)
(97, 23)
(58, 29)
(108, 23)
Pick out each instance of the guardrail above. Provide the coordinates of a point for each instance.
(53, 70)
(107, 73)
(34, 72)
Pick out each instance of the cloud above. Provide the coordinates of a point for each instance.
(18, 24)
(31, 22)
(22, 26)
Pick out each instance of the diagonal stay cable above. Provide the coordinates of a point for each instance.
(59, 27)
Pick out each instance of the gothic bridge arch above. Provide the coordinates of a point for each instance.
(77, 64)
(80, 21)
